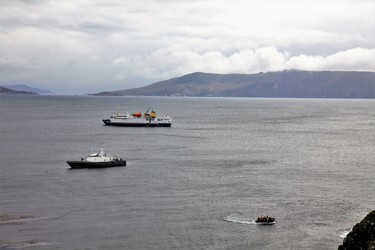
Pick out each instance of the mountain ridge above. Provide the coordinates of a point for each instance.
(26, 88)
(7, 91)
(288, 83)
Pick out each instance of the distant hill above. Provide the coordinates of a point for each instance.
(289, 83)
(6, 91)
(22, 87)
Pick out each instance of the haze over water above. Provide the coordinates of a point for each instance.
(197, 185)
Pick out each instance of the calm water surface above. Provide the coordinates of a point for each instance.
(197, 185)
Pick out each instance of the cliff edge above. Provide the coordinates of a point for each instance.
(362, 236)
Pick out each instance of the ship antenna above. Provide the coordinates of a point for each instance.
(102, 149)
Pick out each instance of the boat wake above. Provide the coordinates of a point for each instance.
(239, 219)
(13, 219)
(7, 244)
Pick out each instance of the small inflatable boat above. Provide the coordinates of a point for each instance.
(265, 220)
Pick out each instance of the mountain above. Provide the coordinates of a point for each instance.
(7, 91)
(289, 83)
(22, 87)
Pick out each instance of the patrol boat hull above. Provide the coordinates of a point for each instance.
(86, 164)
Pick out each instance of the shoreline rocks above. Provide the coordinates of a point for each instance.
(362, 236)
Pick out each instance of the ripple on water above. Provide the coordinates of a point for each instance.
(344, 232)
(15, 219)
(23, 244)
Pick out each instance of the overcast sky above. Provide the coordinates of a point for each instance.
(74, 47)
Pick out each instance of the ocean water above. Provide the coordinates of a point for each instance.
(200, 184)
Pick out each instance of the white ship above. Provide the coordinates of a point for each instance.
(139, 120)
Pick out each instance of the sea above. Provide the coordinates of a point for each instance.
(200, 184)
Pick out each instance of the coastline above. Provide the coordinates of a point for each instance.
(362, 235)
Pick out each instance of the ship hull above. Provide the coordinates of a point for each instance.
(266, 223)
(135, 124)
(85, 164)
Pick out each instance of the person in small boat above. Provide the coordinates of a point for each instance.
(265, 219)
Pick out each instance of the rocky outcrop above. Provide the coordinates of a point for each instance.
(362, 237)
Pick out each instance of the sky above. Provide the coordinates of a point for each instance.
(88, 46)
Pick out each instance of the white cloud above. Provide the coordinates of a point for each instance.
(77, 45)
(178, 60)
(14, 62)
(353, 59)
(120, 61)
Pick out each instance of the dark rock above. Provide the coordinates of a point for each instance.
(362, 236)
